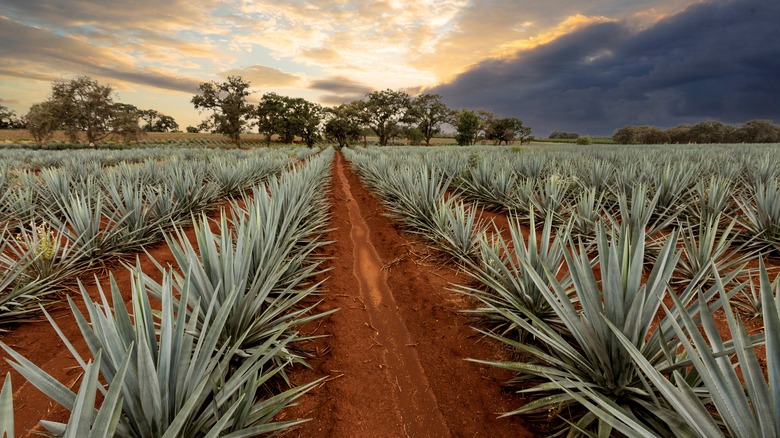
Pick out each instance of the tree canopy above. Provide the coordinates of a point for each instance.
(228, 104)
(706, 132)
(8, 119)
(430, 113)
(384, 111)
(83, 105)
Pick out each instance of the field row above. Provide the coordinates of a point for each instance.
(621, 283)
(208, 346)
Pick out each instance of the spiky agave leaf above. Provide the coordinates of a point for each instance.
(749, 409)
(502, 271)
(707, 243)
(762, 213)
(85, 420)
(19, 296)
(170, 387)
(7, 409)
(590, 354)
(458, 229)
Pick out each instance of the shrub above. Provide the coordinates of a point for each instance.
(584, 140)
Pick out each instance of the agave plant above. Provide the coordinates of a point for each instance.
(746, 398)
(458, 229)
(705, 244)
(489, 184)
(586, 212)
(672, 184)
(20, 294)
(588, 358)
(46, 253)
(748, 302)
(503, 273)
(763, 213)
(416, 193)
(178, 380)
(714, 197)
(190, 189)
(551, 193)
(220, 272)
(128, 209)
(83, 224)
(264, 258)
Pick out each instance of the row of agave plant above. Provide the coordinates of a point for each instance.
(13, 158)
(58, 222)
(597, 347)
(208, 360)
(740, 184)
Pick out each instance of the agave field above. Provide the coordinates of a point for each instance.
(206, 357)
(583, 291)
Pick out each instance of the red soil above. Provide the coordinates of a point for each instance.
(395, 357)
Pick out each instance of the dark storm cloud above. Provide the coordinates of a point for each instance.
(716, 60)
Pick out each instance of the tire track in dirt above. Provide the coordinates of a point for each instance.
(417, 406)
(361, 397)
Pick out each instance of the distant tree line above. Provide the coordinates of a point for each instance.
(564, 135)
(83, 107)
(754, 131)
(387, 114)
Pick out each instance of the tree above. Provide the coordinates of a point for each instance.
(680, 134)
(227, 101)
(709, 132)
(42, 120)
(269, 113)
(8, 119)
(640, 135)
(192, 130)
(486, 119)
(343, 124)
(467, 123)
(564, 135)
(306, 120)
(414, 136)
(84, 105)
(384, 110)
(124, 122)
(507, 130)
(430, 113)
(756, 131)
(158, 122)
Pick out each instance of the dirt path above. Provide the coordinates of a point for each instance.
(396, 352)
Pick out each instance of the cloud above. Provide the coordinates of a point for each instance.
(340, 85)
(9, 101)
(262, 76)
(33, 52)
(342, 90)
(714, 60)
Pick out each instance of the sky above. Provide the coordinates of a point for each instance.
(579, 66)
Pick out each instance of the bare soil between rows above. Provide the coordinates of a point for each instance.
(394, 355)
(395, 352)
